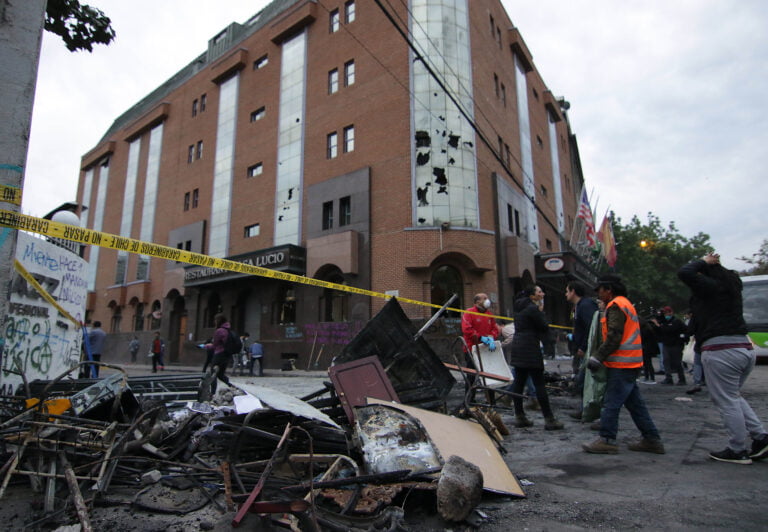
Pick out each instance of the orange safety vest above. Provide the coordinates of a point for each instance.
(630, 352)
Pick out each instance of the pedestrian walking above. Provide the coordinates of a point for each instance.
(256, 352)
(96, 337)
(726, 354)
(622, 354)
(133, 348)
(157, 351)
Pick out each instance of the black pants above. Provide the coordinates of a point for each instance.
(254, 361)
(220, 362)
(648, 372)
(537, 376)
(673, 363)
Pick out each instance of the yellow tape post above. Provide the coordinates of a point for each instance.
(107, 240)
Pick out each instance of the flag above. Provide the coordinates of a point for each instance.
(585, 213)
(605, 234)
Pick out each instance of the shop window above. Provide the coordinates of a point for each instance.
(155, 316)
(138, 317)
(117, 316)
(284, 306)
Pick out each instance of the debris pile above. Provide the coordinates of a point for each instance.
(346, 457)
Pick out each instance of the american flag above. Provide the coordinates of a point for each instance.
(585, 213)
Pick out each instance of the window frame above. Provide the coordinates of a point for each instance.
(248, 230)
(349, 73)
(350, 11)
(333, 81)
(255, 170)
(332, 145)
(327, 216)
(334, 21)
(345, 211)
(349, 139)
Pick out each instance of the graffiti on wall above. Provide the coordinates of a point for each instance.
(37, 340)
(331, 332)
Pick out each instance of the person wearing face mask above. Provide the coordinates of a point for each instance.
(672, 334)
(478, 330)
(531, 327)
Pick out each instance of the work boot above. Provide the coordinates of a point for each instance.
(522, 421)
(504, 400)
(647, 446)
(600, 446)
(533, 404)
(550, 423)
(595, 425)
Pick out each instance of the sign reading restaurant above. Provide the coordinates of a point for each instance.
(288, 258)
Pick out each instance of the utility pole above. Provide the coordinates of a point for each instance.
(21, 34)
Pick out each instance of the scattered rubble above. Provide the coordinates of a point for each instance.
(343, 458)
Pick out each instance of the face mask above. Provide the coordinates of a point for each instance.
(487, 303)
(668, 317)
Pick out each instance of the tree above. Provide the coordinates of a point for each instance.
(80, 26)
(649, 256)
(759, 261)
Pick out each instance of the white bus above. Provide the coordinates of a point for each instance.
(755, 296)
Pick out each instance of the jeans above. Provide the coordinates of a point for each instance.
(698, 369)
(254, 361)
(621, 390)
(726, 371)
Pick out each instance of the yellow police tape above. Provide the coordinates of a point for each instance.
(42, 291)
(10, 194)
(106, 240)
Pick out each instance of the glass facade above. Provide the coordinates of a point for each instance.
(129, 199)
(150, 198)
(531, 232)
(290, 141)
(98, 221)
(218, 243)
(557, 188)
(444, 145)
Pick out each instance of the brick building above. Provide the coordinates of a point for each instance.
(315, 138)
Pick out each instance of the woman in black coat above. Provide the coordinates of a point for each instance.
(531, 328)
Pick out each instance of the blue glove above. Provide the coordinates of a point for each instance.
(487, 340)
(569, 336)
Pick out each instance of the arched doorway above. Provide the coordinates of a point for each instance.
(177, 324)
(333, 304)
(446, 281)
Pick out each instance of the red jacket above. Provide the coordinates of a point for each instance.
(473, 326)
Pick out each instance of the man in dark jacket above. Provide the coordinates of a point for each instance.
(672, 333)
(726, 353)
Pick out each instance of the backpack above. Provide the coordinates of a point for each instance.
(233, 345)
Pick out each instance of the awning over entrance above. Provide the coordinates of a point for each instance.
(287, 258)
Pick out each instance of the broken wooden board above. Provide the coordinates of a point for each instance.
(474, 445)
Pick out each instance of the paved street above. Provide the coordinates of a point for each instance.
(568, 489)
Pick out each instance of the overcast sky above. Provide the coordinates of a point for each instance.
(668, 100)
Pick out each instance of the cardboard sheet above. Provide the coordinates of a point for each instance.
(468, 440)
